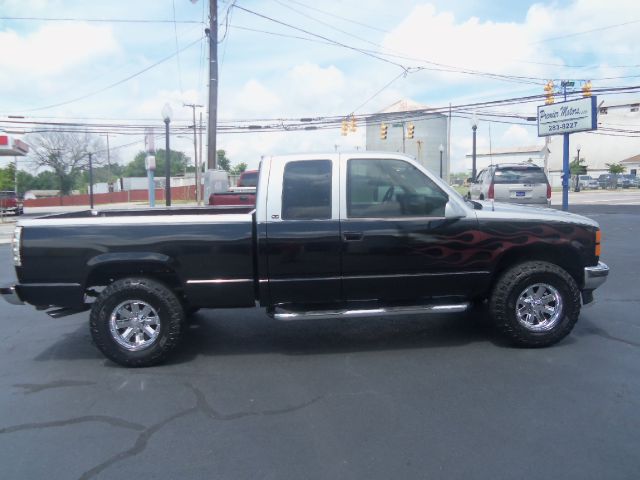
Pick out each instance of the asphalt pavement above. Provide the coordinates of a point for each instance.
(408, 397)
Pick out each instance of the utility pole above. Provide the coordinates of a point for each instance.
(213, 83)
(449, 145)
(195, 147)
(108, 163)
(200, 156)
(565, 156)
(91, 180)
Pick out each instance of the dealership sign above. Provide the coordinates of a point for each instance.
(568, 117)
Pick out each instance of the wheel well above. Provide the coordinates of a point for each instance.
(106, 274)
(565, 257)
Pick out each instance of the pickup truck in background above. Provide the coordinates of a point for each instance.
(10, 203)
(332, 235)
(243, 194)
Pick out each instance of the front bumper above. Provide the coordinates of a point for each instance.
(595, 276)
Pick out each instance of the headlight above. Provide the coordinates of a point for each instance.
(17, 258)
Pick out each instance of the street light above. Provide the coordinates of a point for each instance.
(474, 127)
(577, 189)
(166, 115)
(441, 148)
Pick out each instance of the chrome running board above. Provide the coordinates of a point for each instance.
(287, 315)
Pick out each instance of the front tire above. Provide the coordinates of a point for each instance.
(535, 304)
(137, 322)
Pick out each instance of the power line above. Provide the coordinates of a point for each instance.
(327, 24)
(349, 47)
(97, 20)
(320, 122)
(438, 66)
(584, 32)
(333, 15)
(387, 85)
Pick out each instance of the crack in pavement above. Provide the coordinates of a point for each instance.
(138, 446)
(202, 406)
(113, 421)
(30, 388)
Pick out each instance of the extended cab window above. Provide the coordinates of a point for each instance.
(306, 190)
(391, 188)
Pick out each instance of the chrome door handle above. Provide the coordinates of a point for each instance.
(352, 236)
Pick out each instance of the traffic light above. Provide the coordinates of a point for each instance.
(548, 91)
(411, 128)
(354, 127)
(383, 131)
(586, 89)
(345, 128)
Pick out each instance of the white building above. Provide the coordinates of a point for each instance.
(632, 165)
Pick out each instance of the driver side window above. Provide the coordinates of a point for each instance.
(391, 188)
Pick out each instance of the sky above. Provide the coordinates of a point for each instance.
(279, 59)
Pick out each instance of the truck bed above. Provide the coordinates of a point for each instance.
(207, 253)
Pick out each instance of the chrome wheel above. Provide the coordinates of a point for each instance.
(135, 325)
(539, 307)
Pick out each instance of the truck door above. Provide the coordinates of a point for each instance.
(303, 231)
(397, 243)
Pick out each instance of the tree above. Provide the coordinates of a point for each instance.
(576, 166)
(7, 177)
(238, 169)
(135, 168)
(615, 168)
(222, 161)
(66, 153)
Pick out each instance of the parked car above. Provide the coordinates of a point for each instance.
(632, 181)
(10, 203)
(332, 235)
(586, 182)
(608, 180)
(622, 181)
(248, 178)
(593, 184)
(512, 183)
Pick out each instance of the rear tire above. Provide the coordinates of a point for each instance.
(137, 322)
(535, 304)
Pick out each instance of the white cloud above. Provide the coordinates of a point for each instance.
(255, 99)
(54, 48)
(517, 135)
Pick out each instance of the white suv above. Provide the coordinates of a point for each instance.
(514, 183)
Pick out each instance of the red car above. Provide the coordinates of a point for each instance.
(10, 203)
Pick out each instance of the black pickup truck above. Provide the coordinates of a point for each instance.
(332, 235)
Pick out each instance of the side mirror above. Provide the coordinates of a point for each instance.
(470, 180)
(452, 211)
